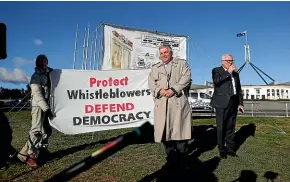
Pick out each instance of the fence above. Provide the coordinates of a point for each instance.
(252, 108)
(258, 108)
(267, 108)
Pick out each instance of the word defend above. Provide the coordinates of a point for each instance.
(102, 108)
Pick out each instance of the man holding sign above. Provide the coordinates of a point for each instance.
(40, 112)
(169, 82)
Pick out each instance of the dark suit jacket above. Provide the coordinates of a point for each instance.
(223, 88)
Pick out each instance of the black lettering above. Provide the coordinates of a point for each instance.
(148, 92)
(130, 93)
(95, 120)
(106, 119)
(91, 95)
(122, 94)
(122, 117)
(138, 115)
(77, 121)
(143, 92)
(113, 118)
(116, 118)
(117, 93)
(112, 94)
(101, 93)
(87, 94)
(131, 117)
(72, 94)
(106, 95)
(147, 113)
(138, 93)
(86, 120)
(82, 95)
(97, 94)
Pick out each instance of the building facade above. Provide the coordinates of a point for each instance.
(258, 92)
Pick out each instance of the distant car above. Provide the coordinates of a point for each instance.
(200, 102)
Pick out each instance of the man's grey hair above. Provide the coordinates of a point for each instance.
(166, 46)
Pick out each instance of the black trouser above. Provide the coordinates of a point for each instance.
(176, 153)
(5, 139)
(175, 146)
(226, 123)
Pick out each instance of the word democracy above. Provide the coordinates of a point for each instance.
(113, 119)
(110, 82)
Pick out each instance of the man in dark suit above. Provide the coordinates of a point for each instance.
(227, 100)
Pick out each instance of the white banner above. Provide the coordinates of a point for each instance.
(135, 49)
(88, 100)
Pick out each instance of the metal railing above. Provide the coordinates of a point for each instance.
(257, 108)
(252, 108)
(268, 108)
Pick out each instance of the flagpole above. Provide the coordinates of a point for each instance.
(246, 37)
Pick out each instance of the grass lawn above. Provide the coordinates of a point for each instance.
(266, 151)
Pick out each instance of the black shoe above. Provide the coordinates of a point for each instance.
(223, 155)
(232, 154)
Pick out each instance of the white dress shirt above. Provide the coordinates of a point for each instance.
(233, 83)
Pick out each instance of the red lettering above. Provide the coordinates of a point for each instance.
(98, 108)
(113, 108)
(120, 107)
(103, 108)
(129, 106)
(99, 82)
(109, 82)
(116, 82)
(124, 81)
(105, 83)
(92, 81)
(89, 108)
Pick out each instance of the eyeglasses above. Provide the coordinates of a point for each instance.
(229, 60)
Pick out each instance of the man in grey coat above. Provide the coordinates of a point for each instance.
(40, 128)
(169, 82)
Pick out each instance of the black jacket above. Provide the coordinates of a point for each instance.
(223, 88)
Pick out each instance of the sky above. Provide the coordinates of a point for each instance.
(49, 28)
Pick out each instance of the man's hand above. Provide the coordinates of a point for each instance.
(232, 68)
(163, 92)
(241, 109)
(169, 93)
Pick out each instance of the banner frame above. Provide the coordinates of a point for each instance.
(142, 30)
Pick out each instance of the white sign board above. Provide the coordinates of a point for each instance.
(88, 100)
(135, 49)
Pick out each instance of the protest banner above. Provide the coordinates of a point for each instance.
(87, 100)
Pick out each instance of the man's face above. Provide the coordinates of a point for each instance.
(227, 61)
(44, 64)
(165, 54)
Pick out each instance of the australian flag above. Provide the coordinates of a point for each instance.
(241, 34)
